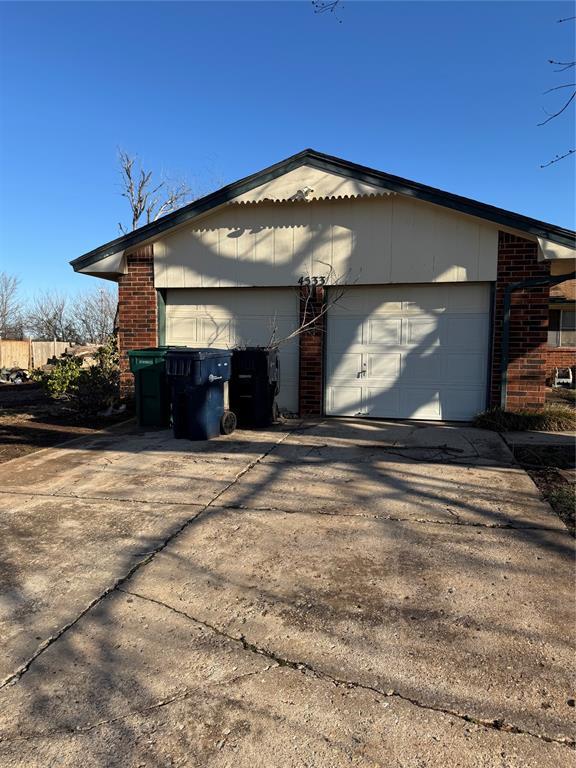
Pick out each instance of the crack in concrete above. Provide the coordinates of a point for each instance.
(389, 518)
(498, 724)
(122, 499)
(181, 696)
(45, 644)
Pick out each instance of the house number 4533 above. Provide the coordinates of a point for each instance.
(312, 280)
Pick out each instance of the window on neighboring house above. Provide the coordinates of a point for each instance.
(562, 328)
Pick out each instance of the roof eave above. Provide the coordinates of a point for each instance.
(332, 164)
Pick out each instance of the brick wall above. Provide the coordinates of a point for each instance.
(137, 313)
(311, 351)
(517, 261)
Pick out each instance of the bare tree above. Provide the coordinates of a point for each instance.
(11, 313)
(328, 6)
(567, 101)
(312, 310)
(94, 314)
(50, 317)
(148, 200)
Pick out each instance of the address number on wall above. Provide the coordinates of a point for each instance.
(312, 281)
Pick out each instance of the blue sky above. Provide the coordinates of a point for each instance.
(449, 94)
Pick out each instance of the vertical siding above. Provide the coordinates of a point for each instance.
(370, 240)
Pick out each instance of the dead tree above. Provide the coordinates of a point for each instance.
(94, 314)
(50, 317)
(11, 311)
(568, 100)
(148, 200)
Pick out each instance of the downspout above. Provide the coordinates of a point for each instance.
(161, 315)
(508, 291)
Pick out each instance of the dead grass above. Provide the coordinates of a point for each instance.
(561, 395)
(544, 464)
(552, 418)
(562, 499)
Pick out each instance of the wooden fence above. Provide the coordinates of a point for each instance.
(29, 354)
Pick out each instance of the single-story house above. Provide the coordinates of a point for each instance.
(390, 298)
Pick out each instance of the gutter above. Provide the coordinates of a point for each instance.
(508, 291)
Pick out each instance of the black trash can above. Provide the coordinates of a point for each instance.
(197, 378)
(254, 386)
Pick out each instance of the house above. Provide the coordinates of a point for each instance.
(561, 352)
(411, 302)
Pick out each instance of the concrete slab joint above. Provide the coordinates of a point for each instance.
(337, 592)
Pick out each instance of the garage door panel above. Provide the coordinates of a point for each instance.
(420, 403)
(458, 402)
(215, 332)
(466, 332)
(344, 331)
(384, 365)
(422, 331)
(425, 350)
(181, 328)
(347, 365)
(384, 330)
(378, 400)
(343, 400)
(464, 368)
(418, 368)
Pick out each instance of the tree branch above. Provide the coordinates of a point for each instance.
(556, 114)
(558, 158)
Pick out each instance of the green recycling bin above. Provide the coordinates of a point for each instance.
(150, 386)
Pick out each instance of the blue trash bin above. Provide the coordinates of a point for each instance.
(197, 378)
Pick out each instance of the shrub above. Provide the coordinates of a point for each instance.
(97, 387)
(91, 389)
(61, 379)
(552, 418)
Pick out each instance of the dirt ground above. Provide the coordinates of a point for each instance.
(544, 464)
(30, 420)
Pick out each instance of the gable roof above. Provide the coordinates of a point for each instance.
(342, 168)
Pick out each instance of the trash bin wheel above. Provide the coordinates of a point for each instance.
(228, 423)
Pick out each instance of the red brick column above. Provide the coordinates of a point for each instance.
(518, 261)
(311, 351)
(137, 312)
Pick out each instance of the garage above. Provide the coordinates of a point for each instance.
(425, 274)
(231, 317)
(409, 351)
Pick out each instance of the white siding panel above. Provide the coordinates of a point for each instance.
(368, 240)
(225, 318)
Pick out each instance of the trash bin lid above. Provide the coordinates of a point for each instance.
(148, 352)
(198, 353)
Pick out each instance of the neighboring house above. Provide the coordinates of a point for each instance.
(561, 351)
(417, 331)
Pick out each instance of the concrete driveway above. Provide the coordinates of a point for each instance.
(332, 594)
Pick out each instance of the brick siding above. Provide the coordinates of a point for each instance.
(137, 312)
(310, 390)
(527, 353)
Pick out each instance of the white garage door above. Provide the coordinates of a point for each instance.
(409, 351)
(229, 317)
